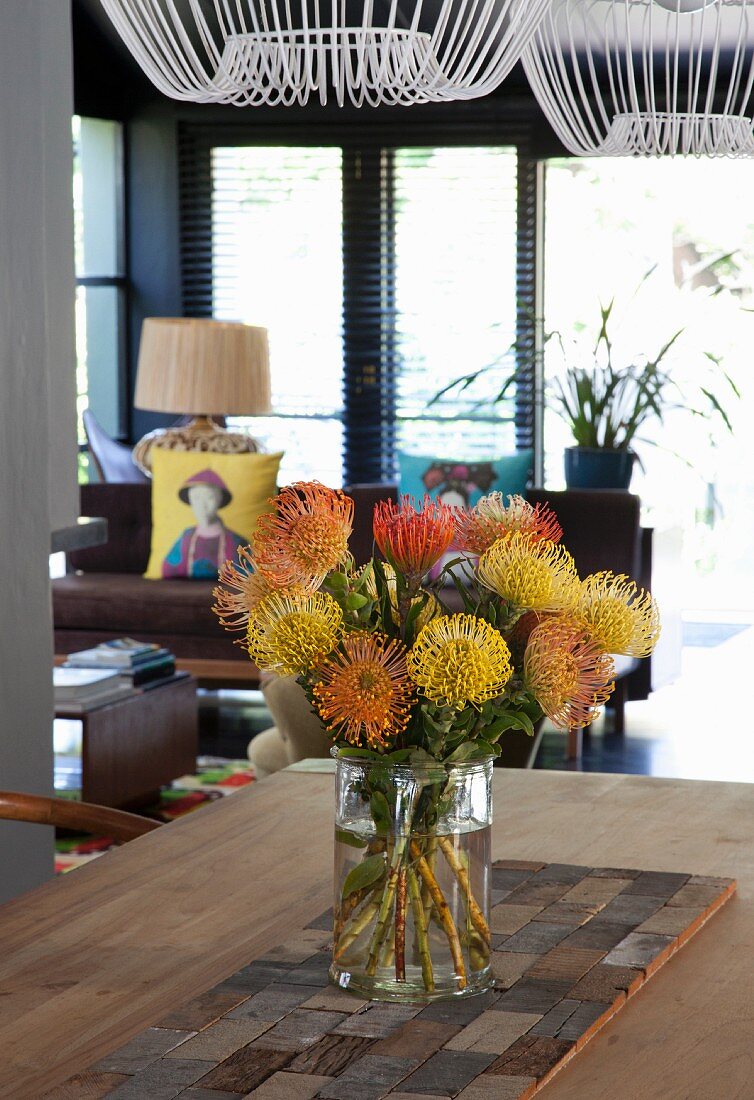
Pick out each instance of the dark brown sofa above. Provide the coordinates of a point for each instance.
(107, 596)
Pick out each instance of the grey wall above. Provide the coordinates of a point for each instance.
(37, 436)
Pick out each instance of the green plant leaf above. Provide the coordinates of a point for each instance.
(435, 772)
(356, 754)
(364, 874)
(470, 751)
(398, 756)
(343, 836)
(355, 601)
(380, 809)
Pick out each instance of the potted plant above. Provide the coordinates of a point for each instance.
(608, 407)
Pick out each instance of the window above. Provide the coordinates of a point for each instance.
(382, 273)
(100, 271)
(277, 262)
(455, 217)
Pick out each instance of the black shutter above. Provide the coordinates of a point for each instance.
(195, 191)
(368, 315)
(530, 307)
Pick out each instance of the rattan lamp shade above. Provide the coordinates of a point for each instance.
(191, 365)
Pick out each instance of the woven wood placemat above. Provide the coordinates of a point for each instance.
(570, 945)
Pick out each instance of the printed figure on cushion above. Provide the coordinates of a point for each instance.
(201, 550)
(459, 484)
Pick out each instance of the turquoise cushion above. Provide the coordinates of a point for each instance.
(462, 483)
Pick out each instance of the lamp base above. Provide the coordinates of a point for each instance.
(201, 434)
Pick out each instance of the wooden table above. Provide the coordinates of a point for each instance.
(131, 748)
(92, 958)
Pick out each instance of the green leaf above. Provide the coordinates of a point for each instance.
(466, 751)
(510, 720)
(489, 749)
(383, 821)
(343, 836)
(398, 756)
(364, 874)
(355, 601)
(337, 581)
(356, 754)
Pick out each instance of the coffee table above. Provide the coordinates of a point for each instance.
(131, 748)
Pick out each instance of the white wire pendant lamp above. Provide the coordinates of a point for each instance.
(282, 52)
(646, 77)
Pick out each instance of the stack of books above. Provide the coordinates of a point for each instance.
(139, 664)
(81, 689)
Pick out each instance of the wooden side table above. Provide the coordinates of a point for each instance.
(131, 748)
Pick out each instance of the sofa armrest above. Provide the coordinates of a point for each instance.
(127, 507)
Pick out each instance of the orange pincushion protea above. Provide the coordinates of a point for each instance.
(305, 537)
(567, 673)
(364, 692)
(240, 590)
(413, 538)
(491, 519)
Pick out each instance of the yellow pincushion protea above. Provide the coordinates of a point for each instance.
(292, 631)
(620, 616)
(567, 673)
(459, 659)
(532, 574)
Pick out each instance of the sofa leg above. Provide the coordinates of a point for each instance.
(575, 740)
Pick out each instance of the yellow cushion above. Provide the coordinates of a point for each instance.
(203, 507)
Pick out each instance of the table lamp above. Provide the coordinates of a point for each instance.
(202, 368)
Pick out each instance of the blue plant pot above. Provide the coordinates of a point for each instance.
(598, 468)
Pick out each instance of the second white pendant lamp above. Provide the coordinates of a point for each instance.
(646, 77)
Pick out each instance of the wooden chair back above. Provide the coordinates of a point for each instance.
(80, 816)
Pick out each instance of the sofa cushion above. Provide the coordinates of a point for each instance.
(205, 507)
(462, 482)
(122, 603)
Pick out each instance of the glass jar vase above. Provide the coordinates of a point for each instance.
(412, 879)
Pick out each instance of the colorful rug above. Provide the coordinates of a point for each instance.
(214, 779)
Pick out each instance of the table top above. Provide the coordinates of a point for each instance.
(91, 959)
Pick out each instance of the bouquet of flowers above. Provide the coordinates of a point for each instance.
(409, 688)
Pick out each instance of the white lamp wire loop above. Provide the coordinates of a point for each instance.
(646, 77)
(282, 52)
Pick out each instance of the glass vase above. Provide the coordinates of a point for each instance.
(412, 879)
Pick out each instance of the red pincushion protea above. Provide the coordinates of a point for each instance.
(413, 537)
(304, 537)
(491, 519)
